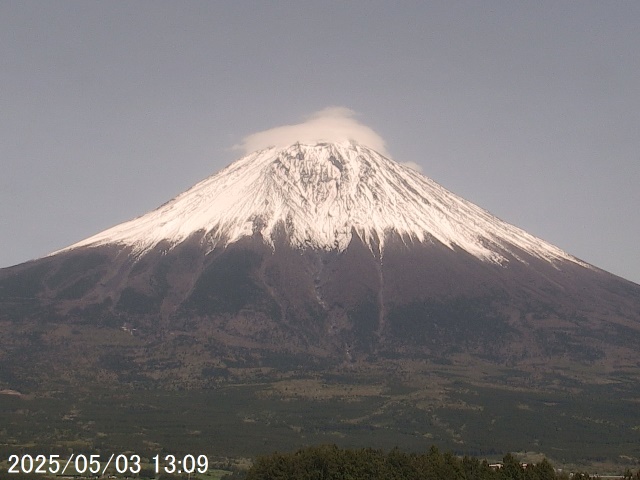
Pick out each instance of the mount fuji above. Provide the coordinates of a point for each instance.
(317, 257)
(337, 248)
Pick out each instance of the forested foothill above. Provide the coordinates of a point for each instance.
(328, 462)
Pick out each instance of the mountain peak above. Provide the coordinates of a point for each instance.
(320, 195)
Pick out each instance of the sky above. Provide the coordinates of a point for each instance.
(529, 109)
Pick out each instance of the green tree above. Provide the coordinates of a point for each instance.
(511, 468)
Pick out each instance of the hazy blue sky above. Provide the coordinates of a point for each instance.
(529, 109)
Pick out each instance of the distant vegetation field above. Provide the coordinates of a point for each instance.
(585, 429)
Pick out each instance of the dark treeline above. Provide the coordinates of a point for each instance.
(328, 462)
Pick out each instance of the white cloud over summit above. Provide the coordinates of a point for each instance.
(333, 124)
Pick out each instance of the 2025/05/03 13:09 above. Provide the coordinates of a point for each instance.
(93, 464)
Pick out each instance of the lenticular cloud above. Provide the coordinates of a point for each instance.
(333, 124)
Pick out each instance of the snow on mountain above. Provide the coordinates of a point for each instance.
(320, 194)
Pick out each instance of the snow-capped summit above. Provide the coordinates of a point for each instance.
(320, 195)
